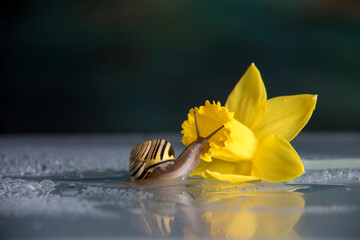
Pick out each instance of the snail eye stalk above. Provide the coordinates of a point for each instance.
(196, 126)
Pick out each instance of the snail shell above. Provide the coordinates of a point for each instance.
(148, 155)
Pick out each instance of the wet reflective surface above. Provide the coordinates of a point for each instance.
(74, 188)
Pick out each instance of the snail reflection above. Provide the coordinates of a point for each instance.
(167, 206)
(221, 210)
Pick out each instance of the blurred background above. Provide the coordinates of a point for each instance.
(116, 66)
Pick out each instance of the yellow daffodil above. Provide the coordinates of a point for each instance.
(254, 143)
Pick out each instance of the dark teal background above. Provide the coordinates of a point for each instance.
(113, 66)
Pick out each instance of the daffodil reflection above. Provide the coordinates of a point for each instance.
(250, 210)
(209, 209)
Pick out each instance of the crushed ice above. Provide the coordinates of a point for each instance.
(328, 176)
(23, 188)
(20, 197)
(343, 209)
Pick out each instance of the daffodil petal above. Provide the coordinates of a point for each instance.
(286, 116)
(233, 178)
(215, 165)
(276, 160)
(248, 99)
(224, 167)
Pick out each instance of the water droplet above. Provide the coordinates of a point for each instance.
(353, 175)
(47, 184)
(22, 190)
(19, 181)
(12, 185)
(6, 181)
(70, 190)
(35, 185)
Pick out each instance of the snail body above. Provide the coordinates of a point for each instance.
(152, 163)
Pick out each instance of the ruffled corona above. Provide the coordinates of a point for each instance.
(234, 143)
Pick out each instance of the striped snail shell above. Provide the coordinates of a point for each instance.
(148, 155)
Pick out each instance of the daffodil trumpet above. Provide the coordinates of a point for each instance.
(255, 141)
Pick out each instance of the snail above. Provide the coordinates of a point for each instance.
(152, 163)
